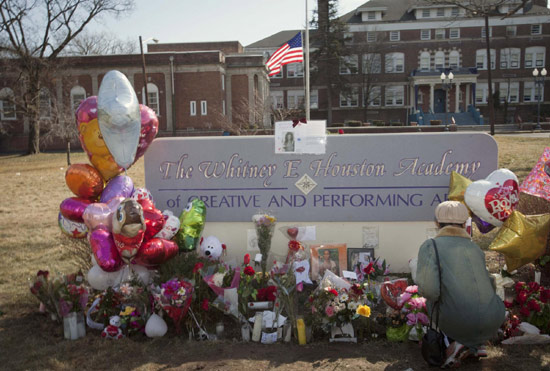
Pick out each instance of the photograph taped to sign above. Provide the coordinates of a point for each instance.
(300, 138)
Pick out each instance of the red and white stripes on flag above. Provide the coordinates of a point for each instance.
(290, 52)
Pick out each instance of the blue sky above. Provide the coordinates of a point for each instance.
(246, 21)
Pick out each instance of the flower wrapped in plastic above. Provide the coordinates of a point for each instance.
(227, 293)
(414, 306)
(265, 225)
(174, 298)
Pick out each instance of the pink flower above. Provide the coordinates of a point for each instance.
(403, 298)
(412, 289)
(423, 318)
(329, 310)
(411, 319)
(418, 303)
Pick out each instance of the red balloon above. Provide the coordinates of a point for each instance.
(72, 208)
(154, 220)
(155, 252)
(105, 251)
(149, 129)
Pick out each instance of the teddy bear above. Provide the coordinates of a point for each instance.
(113, 331)
(211, 248)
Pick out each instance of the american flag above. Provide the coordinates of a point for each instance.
(290, 52)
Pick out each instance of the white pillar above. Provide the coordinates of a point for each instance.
(457, 93)
(432, 97)
(168, 101)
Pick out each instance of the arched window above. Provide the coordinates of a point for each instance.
(425, 61)
(78, 94)
(439, 60)
(7, 104)
(454, 59)
(152, 97)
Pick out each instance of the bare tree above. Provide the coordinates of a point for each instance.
(100, 43)
(486, 9)
(239, 123)
(33, 34)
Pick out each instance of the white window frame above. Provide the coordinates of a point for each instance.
(193, 108)
(223, 108)
(454, 55)
(425, 34)
(78, 94)
(349, 65)
(536, 29)
(395, 35)
(425, 61)
(348, 38)
(294, 70)
(490, 31)
(7, 100)
(204, 108)
(314, 99)
(439, 60)
(393, 64)
(371, 36)
(509, 58)
(394, 96)
(426, 13)
(350, 99)
(535, 56)
(371, 16)
(152, 97)
(223, 82)
(374, 61)
(511, 30)
(374, 97)
(454, 33)
(481, 56)
(440, 12)
(455, 12)
(532, 91)
(277, 99)
(514, 92)
(484, 89)
(440, 34)
(295, 99)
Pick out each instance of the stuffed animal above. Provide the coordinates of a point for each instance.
(113, 331)
(211, 248)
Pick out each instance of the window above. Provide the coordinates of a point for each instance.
(425, 34)
(482, 92)
(534, 56)
(204, 107)
(349, 99)
(348, 38)
(278, 75)
(45, 107)
(483, 32)
(425, 61)
(441, 12)
(371, 37)
(277, 101)
(454, 12)
(395, 62)
(439, 60)
(294, 70)
(420, 98)
(152, 97)
(223, 82)
(454, 59)
(394, 95)
(372, 99)
(531, 92)
(394, 36)
(481, 59)
(314, 99)
(440, 34)
(349, 65)
(372, 63)
(509, 58)
(511, 30)
(371, 16)
(510, 91)
(7, 104)
(536, 29)
(296, 99)
(193, 108)
(454, 33)
(78, 94)
(426, 13)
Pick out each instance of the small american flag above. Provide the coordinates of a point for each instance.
(290, 52)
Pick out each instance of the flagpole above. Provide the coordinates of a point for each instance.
(307, 66)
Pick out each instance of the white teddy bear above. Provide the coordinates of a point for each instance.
(211, 248)
(113, 331)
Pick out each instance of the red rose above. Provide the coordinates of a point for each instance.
(249, 271)
(294, 245)
(507, 304)
(534, 305)
(197, 267)
(369, 269)
(545, 295)
(205, 305)
(524, 311)
(310, 299)
(43, 273)
(533, 286)
(246, 259)
(519, 286)
(521, 297)
(334, 292)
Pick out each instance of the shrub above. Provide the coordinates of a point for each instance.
(353, 123)
(378, 123)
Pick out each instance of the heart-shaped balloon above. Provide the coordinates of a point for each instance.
(72, 208)
(84, 180)
(119, 186)
(292, 232)
(70, 228)
(141, 193)
(94, 145)
(391, 290)
(494, 198)
(171, 226)
(154, 220)
(155, 252)
(105, 251)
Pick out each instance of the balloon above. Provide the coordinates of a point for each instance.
(155, 252)
(101, 280)
(155, 326)
(154, 220)
(494, 198)
(482, 225)
(149, 129)
(84, 180)
(537, 182)
(119, 117)
(98, 214)
(119, 186)
(72, 208)
(105, 251)
(142, 273)
(457, 186)
(192, 220)
(128, 228)
(391, 290)
(171, 226)
(142, 194)
(522, 239)
(70, 228)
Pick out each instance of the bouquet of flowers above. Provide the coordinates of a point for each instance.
(174, 297)
(374, 269)
(265, 225)
(132, 320)
(414, 306)
(533, 302)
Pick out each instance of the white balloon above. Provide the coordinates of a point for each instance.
(101, 280)
(171, 226)
(155, 326)
(144, 274)
(119, 117)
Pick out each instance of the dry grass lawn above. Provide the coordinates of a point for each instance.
(32, 188)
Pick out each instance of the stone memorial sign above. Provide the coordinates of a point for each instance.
(361, 177)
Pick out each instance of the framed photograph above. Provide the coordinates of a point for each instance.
(328, 256)
(358, 255)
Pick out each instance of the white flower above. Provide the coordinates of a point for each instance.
(336, 308)
(353, 305)
(218, 279)
(344, 297)
(341, 306)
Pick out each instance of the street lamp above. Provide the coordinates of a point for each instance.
(143, 66)
(539, 81)
(446, 83)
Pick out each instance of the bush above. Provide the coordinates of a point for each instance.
(353, 123)
(378, 123)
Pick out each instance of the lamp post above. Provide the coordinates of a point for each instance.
(446, 83)
(539, 82)
(143, 67)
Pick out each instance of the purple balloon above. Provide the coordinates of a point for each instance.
(482, 225)
(72, 208)
(105, 251)
(98, 214)
(120, 185)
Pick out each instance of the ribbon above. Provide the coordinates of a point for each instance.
(296, 122)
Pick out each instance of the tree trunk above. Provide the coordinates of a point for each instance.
(31, 102)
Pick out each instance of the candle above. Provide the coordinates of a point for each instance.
(301, 326)
(257, 330)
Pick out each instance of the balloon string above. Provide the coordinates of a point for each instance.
(197, 322)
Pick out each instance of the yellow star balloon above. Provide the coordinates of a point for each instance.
(522, 239)
(457, 186)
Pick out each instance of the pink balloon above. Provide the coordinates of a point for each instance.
(149, 129)
(98, 214)
(119, 186)
(87, 110)
(72, 208)
(155, 252)
(105, 251)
